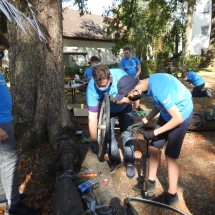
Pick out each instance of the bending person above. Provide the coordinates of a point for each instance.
(105, 80)
(174, 102)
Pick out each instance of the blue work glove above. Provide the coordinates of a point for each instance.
(94, 147)
(135, 127)
(148, 135)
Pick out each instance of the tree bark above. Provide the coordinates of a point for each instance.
(36, 76)
(210, 57)
(189, 23)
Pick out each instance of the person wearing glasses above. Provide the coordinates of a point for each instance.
(105, 80)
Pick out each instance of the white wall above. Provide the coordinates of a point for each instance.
(91, 47)
(200, 19)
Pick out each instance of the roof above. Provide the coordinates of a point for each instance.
(88, 26)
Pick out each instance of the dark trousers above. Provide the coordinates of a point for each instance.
(198, 92)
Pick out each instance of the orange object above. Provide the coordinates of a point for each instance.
(87, 175)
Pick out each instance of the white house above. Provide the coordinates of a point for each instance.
(83, 37)
(201, 27)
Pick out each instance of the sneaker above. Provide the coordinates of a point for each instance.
(22, 209)
(167, 198)
(208, 93)
(130, 171)
(114, 165)
(94, 147)
(139, 186)
(4, 201)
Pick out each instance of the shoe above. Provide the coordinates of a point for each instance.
(22, 209)
(114, 165)
(94, 147)
(4, 201)
(139, 186)
(167, 198)
(208, 93)
(130, 172)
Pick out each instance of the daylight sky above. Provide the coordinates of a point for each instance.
(94, 6)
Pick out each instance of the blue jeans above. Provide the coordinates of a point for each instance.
(8, 167)
(125, 118)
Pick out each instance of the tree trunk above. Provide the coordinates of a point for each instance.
(189, 23)
(210, 57)
(36, 71)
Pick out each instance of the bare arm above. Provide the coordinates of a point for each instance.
(92, 121)
(3, 135)
(175, 121)
(138, 71)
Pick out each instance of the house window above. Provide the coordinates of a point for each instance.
(206, 8)
(204, 30)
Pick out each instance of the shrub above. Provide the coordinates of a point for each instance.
(148, 67)
(193, 62)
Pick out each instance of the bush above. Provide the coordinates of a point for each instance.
(148, 67)
(193, 62)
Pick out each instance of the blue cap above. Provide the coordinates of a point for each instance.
(125, 85)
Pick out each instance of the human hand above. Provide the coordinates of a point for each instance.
(135, 127)
(3, 135)
(148, 135)
(94, 147)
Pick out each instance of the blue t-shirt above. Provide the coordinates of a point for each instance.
(165, 91)
(195, 79)
(130, 65)
(94, 96)
(88, 73)
(5, 102)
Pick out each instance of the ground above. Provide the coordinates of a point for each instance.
(196, 187)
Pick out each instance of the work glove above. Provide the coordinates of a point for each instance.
(112, 99)
(148, 135)
(135, 127)
(94, 147)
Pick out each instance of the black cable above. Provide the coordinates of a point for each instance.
(132, 210)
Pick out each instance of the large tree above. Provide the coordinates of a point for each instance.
(36, 76)
(210, 57)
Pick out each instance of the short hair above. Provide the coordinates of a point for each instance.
(127, 48)
(185, 69)
(4, 41)
(94, 58)
(101, 72)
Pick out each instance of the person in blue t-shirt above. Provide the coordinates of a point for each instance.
(105, 80)
(198, 82)
(131, 65)
(94, 61)
(9, 188)
(173, 101)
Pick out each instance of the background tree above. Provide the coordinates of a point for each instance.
(210, 57)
